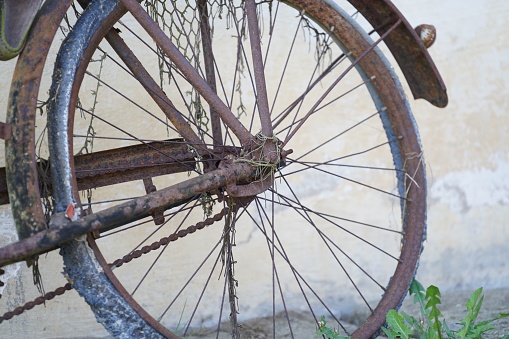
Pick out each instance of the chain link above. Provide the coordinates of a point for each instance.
(166, 240)
(119, 262)
(37, 301)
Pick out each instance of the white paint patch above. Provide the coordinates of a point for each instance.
(483, 187)
(8, 235)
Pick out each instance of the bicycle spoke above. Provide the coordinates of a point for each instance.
(154, 90)
(294, 122)
(135, 139)
(190, 279)
(270, 247)
(169, 48)
(161, 252)
(312, 223)
(209, 68)
(299, 278)
(349, 68)
(344, 229)
(298, 207)
(170, 69)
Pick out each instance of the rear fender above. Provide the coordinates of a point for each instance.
(407, 48)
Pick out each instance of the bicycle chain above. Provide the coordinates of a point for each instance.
(37, 301)
(117, 263)
(166, 240)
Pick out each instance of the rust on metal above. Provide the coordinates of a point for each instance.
(157, 94)
(22, 179)
(121, 165)
(403, 129)
(130, 163)
(37, 301)
(262, 101)
(427, 34)
(208, 60)
(342, 75)
(158, 215)
(63, 230)
(188, 70)
(4, 193)
(409, 51)
(145, 250)
(166, 240)
(250, 190)
(5, 131)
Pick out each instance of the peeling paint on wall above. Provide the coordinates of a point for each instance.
(481, 187)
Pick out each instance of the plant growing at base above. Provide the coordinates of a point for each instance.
(327, 332)
(434, 326)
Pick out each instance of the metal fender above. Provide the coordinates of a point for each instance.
(408, 48)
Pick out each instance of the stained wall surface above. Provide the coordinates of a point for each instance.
(466, 153)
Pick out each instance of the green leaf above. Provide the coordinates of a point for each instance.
(474, 304)
(448, 331)
(433, 334)
(387, 332)
(473, 307)
(476, 331)
(417, 290)
(485, 326)
(397, 327)
(416, 325)
(470, 305)
(433, 296)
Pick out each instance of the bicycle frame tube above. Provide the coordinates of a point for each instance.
(188, 70)
(62, 229)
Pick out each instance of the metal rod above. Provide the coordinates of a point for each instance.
(208, 57)
(331, 87)
(259, 72)
(157, 94)
(188, 70)
(63, 229)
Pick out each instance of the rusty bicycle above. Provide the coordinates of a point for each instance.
(212, 161)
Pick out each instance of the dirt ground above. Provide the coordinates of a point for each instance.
(453, 308)
(496, 301)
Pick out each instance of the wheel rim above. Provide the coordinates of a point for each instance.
(401, 133)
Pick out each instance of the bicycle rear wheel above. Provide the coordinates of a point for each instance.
(341, 227)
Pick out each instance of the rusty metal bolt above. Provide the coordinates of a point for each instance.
(427, 34)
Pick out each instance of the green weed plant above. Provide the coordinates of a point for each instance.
(434, 326)
(431, 323)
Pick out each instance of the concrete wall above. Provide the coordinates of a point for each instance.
(466, 154)
(466, 145)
